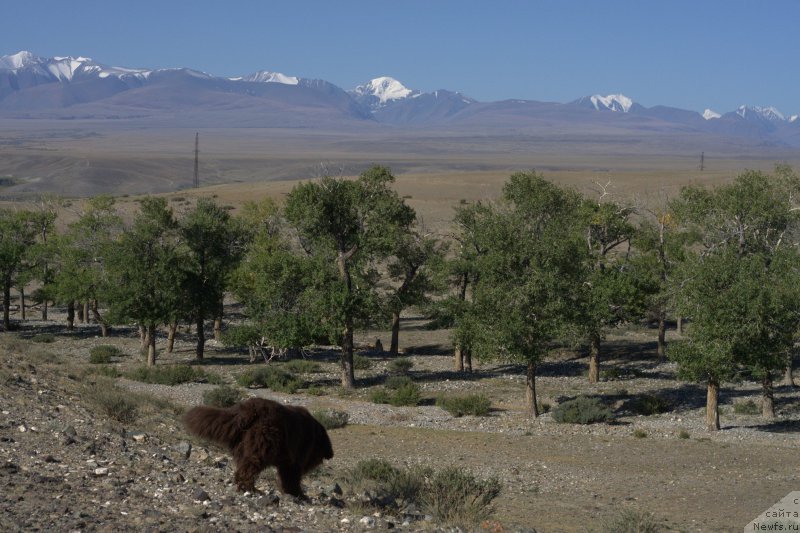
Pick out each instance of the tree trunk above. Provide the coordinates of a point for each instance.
(459, 359)
(100, 320)
(768, 398)
(7, 306)
(468, 360)
(393, 350)
(712, 405)
(680, 325)
(86, 319)
(23, 315)
(788, 378)
(44, 309)
(218, 321)
(173, 327)
(151, 345)
(71, 315)
(662, 335)
(348, 375)
(530, 391)
(200, 347)
(594, 359)
(142, 337)
(80, 313)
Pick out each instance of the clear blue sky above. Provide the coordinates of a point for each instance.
(688, 54)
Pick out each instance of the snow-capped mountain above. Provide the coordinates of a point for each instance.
(265, 76)
(378, 92)
(80, 87)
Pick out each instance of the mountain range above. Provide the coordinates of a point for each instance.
(33, 87)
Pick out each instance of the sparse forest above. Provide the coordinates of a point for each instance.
(539, 270)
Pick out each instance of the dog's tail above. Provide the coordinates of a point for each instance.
(223, 426)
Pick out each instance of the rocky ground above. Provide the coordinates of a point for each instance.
(66, 466)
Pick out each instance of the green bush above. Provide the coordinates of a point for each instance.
(400, 366)
(746, 407)
(373, 469)
(316, 390)
(649, 404)
(582, 410)
(380, 395)
(102, 354)
(683, 434)
(172, 375)
(270, 377)
(405, 395)
(331, 418)
(629, 521)
(224, 396)
(639, 433)
(395, 382)
(476, 404)
(301, 366)
(45, 338)
(361, 363)
(455, 497)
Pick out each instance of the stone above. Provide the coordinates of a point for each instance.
(102, 471)
(367, 521)
(200, 495)
(184, 449)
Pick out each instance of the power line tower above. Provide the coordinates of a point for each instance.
(702, 161)
(196, 160)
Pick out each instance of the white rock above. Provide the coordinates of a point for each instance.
(102, 471)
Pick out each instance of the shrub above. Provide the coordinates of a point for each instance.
(104, 370)
(114, 402)
(373, 469)
(544, 407)
(224, 396)
(301, 366)
(381, 395)
(172, 375)
(477, 405)
(46, 338)
(102, 354)
(649, 404)
(395, 382)
(746, 407)
(683, 434)
(639, 433)
(400, 366)
(582, 410)
(361, 363)
(454, 496)
(270, 377)
(629, 521)
(407, 394)
(331, 418)
(316, 390)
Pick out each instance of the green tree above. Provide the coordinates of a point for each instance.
(215, 244)
(348, 224)
(82, 253)
(18, 231)
(528, 292)
(144, 271)
(743, 226)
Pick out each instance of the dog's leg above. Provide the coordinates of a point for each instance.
(289, 480)
(246, 473)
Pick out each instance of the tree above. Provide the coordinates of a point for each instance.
(82, 253)
(408, 271)
(741, 316)
(144, 271)
(743, 226)
(348, 224)
(215, 244)
(18, 231)
(530, 276)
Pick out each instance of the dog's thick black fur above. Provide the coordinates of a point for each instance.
(262, 433)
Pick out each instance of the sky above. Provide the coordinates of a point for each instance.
(694, 54)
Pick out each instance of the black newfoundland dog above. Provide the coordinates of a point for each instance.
(262, 433)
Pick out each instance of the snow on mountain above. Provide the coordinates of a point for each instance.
(709, 114)
(66, 68)
(18, 60)
(768, 113)
(384, 89)
(612, 102)
(794, 118)
(265, 76)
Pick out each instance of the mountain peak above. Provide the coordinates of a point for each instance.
(384, 89)
(709, 114)
(768, 113)
(265, 76)
(612, 102)
(18, 60)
